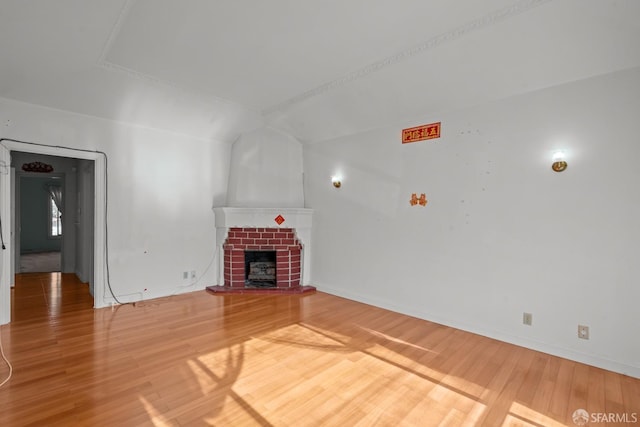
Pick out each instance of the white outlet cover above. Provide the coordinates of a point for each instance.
(583, 332)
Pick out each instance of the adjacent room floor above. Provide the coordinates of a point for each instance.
(283, 360)
(40, 262)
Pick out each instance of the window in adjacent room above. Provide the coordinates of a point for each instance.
(55, 219)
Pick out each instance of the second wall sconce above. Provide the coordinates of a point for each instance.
(559, 162)
(336, 181)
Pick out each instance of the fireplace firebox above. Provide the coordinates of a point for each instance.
(260, 269)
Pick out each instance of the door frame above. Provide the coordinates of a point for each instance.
(100, 217)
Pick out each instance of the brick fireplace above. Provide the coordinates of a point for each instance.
(282, 241)
(244, 232)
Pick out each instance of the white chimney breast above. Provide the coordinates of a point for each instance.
(266, 171)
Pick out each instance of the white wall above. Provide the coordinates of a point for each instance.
(266, 171)
(502, 233)
(161, 189)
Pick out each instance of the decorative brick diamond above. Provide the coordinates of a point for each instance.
(279, 219)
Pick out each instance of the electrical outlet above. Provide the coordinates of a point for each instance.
(583, 332)
(193, 274)
(185, 275)
(527, 319)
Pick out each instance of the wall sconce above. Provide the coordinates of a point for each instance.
(559, 162)
(336, 181)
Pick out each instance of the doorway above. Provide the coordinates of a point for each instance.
(50, 210)
(53, 217)
(83, 247)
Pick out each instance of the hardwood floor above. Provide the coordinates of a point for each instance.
(283, 360)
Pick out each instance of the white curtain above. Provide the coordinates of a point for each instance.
(56, 193)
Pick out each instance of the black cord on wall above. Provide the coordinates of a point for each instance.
(1, 235)
(106, 203)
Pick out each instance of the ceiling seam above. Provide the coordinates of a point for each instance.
(115, 31)
(440, 39)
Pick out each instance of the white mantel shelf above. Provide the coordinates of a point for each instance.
(299, 219)
(263, 217)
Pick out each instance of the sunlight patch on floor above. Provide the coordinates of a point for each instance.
(395, 340)
(261, 381)
(155, 416)
(520, 415)
(366, 382)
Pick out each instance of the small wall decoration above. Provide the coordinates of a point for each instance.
(37, 167)
(279, 219)
(420, 133)
(415, 200)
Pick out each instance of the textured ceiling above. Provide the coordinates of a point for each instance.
(316, 69)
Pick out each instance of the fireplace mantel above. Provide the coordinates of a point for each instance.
(299, 219)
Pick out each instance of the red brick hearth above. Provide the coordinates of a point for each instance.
(288, 253)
